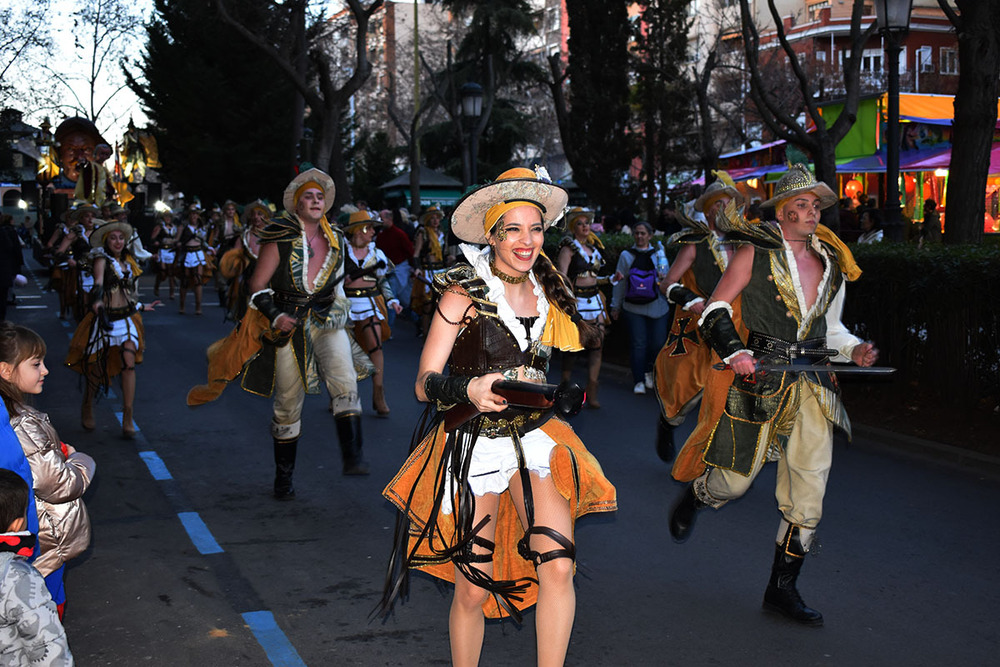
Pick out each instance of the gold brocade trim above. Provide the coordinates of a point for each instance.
(718, 253)
(785, 285)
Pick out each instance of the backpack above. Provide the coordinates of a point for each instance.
(641, 285)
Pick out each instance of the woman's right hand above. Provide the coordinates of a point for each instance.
(482, 396)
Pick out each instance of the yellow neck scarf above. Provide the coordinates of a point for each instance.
(845, 258)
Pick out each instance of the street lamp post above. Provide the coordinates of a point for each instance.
(47, 169)
(472, 109)
(893, 20)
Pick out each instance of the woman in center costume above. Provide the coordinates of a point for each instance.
(491, 505)
(580, 259)
(238, 263)
(110, 339)
(371, 297)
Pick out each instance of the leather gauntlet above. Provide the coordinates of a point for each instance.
(96, 293)
(447, 390)
(680, 295)
(264, 302)
(718, 330)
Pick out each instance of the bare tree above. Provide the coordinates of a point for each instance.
(86, 80)
(780, 116)
(977, 23)
(328, 93)
(23, 30)
(718, 76)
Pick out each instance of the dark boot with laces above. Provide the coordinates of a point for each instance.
(781, 595)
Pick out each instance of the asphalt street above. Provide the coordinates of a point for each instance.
(193, 562)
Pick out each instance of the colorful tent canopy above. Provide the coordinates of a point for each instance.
(908, 161)
(942, 160)
(923, 108)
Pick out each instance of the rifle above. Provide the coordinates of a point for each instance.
(565, 399)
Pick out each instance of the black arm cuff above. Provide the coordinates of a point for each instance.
(265, 304)
(719, 332)
(96, 293)
(447, 389)
(680, 295)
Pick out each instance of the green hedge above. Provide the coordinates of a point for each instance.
(933, 314)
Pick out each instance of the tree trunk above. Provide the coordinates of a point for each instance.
(414, 175)
(975, 119)
(825, 158)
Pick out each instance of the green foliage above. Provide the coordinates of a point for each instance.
(931, 313)
(222, 112)
(598, 121)
(662, 95)
(495, 30)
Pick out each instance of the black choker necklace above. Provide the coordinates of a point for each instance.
(509, 279)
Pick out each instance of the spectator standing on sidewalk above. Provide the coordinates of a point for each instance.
(647, 312)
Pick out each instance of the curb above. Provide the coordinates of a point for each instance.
(913, 447)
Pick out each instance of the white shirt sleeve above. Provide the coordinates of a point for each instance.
(837, 335)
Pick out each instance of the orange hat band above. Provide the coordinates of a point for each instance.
(496, 211)
(308, 185)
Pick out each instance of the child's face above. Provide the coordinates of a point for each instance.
(29, 375)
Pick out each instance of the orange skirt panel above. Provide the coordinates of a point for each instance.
(577, 476)
(690, 462)
(78, 359)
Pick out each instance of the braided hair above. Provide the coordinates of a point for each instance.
(560, 292)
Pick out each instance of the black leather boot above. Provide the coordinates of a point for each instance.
(349, 433)
(781, 595)
(665, 440)
(683, 516)
(284, 466)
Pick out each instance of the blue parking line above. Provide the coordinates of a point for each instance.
(156, 466)
(279, 650)
(199, 533)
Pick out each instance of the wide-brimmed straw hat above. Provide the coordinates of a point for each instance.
(428, 212)
(577, 212)
(79, 207)
(360, 219)
(798, 180)
(102, 230)
(258, 204)
(722, 187)
(315, 176)
(480, 209)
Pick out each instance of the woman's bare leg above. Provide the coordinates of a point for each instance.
(556, 608)
(128, 388)
(466, 623)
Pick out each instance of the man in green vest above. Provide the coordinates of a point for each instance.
(790, 279)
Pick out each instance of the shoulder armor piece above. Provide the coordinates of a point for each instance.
(281, 228)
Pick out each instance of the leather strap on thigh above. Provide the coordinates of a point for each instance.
(568, 549)
(467, 555)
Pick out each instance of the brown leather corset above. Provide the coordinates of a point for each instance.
(487, 346)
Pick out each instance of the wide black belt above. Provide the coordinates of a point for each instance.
(371, 290)
(765, 345)
(586, 292)
(289, 301)
(115, 314)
